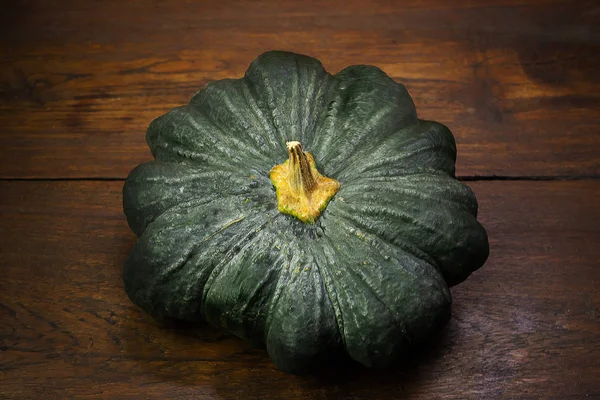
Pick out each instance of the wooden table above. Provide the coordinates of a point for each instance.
(517, 81)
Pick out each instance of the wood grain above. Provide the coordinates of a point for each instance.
(526, 326)
(517, 81)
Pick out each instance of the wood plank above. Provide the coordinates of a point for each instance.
(525, 326)
(515, 80)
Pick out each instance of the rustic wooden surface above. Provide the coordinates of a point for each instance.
(517, 81)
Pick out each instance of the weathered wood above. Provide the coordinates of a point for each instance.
(525, 326)
(516, 81)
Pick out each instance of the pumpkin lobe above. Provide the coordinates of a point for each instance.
(301, 190)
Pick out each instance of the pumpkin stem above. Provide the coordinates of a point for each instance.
(301, 179)
(301, 190)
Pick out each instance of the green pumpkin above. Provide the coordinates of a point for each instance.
(346, 248)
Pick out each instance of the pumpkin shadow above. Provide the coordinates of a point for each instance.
(348, 379)
(182, 354)
(207, 362)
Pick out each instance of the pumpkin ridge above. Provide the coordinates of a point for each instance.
(248, 150)
(265, 122)
(154, 276)
(402, 216)
(328, 284)
(258, 293)
(402, 146)
(195, 249)
(469, 259)
(421, 195)
(184, 205)
(166, 275)
(141, 208)
(284, 272)
(270, 102)
(191, 203)
(399, 244)
(317, 110)
(232, 102)
(331, 290)
(358, 102)
(195, 201)
(307, 113)
(243, 154)
(326, 124)
(341, 289)
(366, 153)
(392, 173)
(380, 162)
(369, 285)
(432, 291)
(352, 152)
(302, 329)
(161, 136)
(246, 317)
(393, 248)
(287, 87)
(297, 129)
(375, 162)
(252, 236)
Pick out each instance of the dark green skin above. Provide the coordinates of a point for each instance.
(370, 278)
